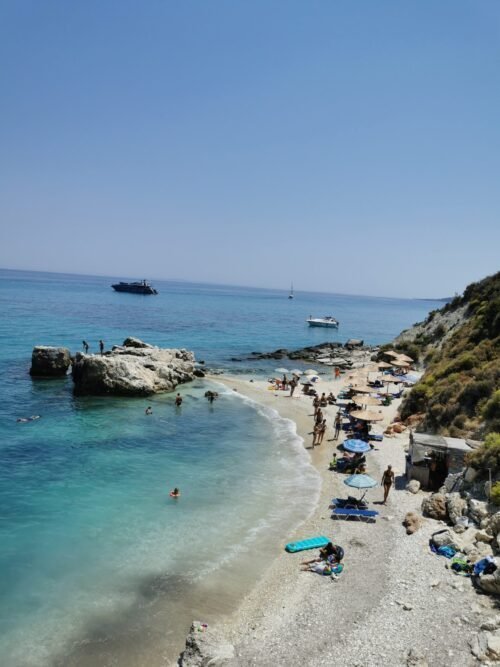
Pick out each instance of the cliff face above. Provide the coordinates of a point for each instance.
(459, 347)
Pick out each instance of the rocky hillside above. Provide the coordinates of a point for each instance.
(459, 348)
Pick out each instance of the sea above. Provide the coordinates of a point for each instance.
(98, 565)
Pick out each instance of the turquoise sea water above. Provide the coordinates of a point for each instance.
(97, 563)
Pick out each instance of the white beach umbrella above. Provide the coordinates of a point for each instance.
(282, 370)
(310, 371)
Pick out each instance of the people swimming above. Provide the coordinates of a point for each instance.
(148, 410)
(211, 396)
(28, 419)
(175, 493)
(178, 401)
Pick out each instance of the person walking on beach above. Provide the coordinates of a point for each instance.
(387, 481)
(285, 382)
(338, 426)
(321, 432)
(85, 346)
(292, 384)
(178, 401)
(319, 416)
(316, 405)
(101, 346)
(337, 372)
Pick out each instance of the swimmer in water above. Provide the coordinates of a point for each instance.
(149, 410)
(175, 493)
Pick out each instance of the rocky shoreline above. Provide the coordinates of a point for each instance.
(134, 368)
(353, 354)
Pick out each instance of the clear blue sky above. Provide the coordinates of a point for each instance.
(347, 146)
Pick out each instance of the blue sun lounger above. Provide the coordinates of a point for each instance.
(312, 543)
(362, 515)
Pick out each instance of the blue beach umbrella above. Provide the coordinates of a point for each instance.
(360, 482)
(356, 446)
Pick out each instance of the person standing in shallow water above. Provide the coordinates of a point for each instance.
(178, 401)
(387, 481)
(101, 346)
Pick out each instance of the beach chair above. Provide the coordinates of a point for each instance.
(350, 513)
(350, 503)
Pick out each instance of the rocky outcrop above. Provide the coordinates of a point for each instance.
(50, 361)
(204, 647)
(329, 354)
(134, 369)
(434, 506)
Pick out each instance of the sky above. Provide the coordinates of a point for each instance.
(348, 147)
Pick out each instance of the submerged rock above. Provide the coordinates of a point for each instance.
(50, 361)
(135, 370)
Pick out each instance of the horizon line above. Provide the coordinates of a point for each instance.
(215, 284)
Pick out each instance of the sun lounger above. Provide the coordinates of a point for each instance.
(349, 503)
(361, 515)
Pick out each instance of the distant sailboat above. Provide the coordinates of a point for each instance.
(291, 296)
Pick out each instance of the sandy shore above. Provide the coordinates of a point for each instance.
(394, 595)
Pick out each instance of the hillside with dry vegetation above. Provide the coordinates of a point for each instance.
(458, 345)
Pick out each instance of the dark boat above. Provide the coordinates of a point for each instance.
(142, 287)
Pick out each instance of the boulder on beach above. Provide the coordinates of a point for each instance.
(50, 361)
(434, 506)
(412, 522)
(413, 486)
(135, 370)
(456, 506)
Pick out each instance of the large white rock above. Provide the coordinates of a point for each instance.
(132, 371)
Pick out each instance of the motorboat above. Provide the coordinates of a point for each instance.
(142, 287)
(326, 321)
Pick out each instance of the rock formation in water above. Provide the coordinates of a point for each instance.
(50, 361)
(133, 369)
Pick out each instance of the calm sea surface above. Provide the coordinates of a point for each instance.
(98, 566)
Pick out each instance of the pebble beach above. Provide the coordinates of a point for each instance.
(395, 603)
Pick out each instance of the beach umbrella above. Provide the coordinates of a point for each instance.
(391, 353)
(367, 415)
(400, 364)
(369, 400)
(404, 357)
(360, 482)
(362, 389)
(356, 446)
(281, 370)
(296, 371)
(384, 364)
(310, 371)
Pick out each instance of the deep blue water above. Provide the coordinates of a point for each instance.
(86, 518)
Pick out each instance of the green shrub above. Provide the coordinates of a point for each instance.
(495, 493)
(487, 455)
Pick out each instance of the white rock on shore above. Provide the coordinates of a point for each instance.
(134, 369)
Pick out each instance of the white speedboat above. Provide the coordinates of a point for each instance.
(326, 321)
